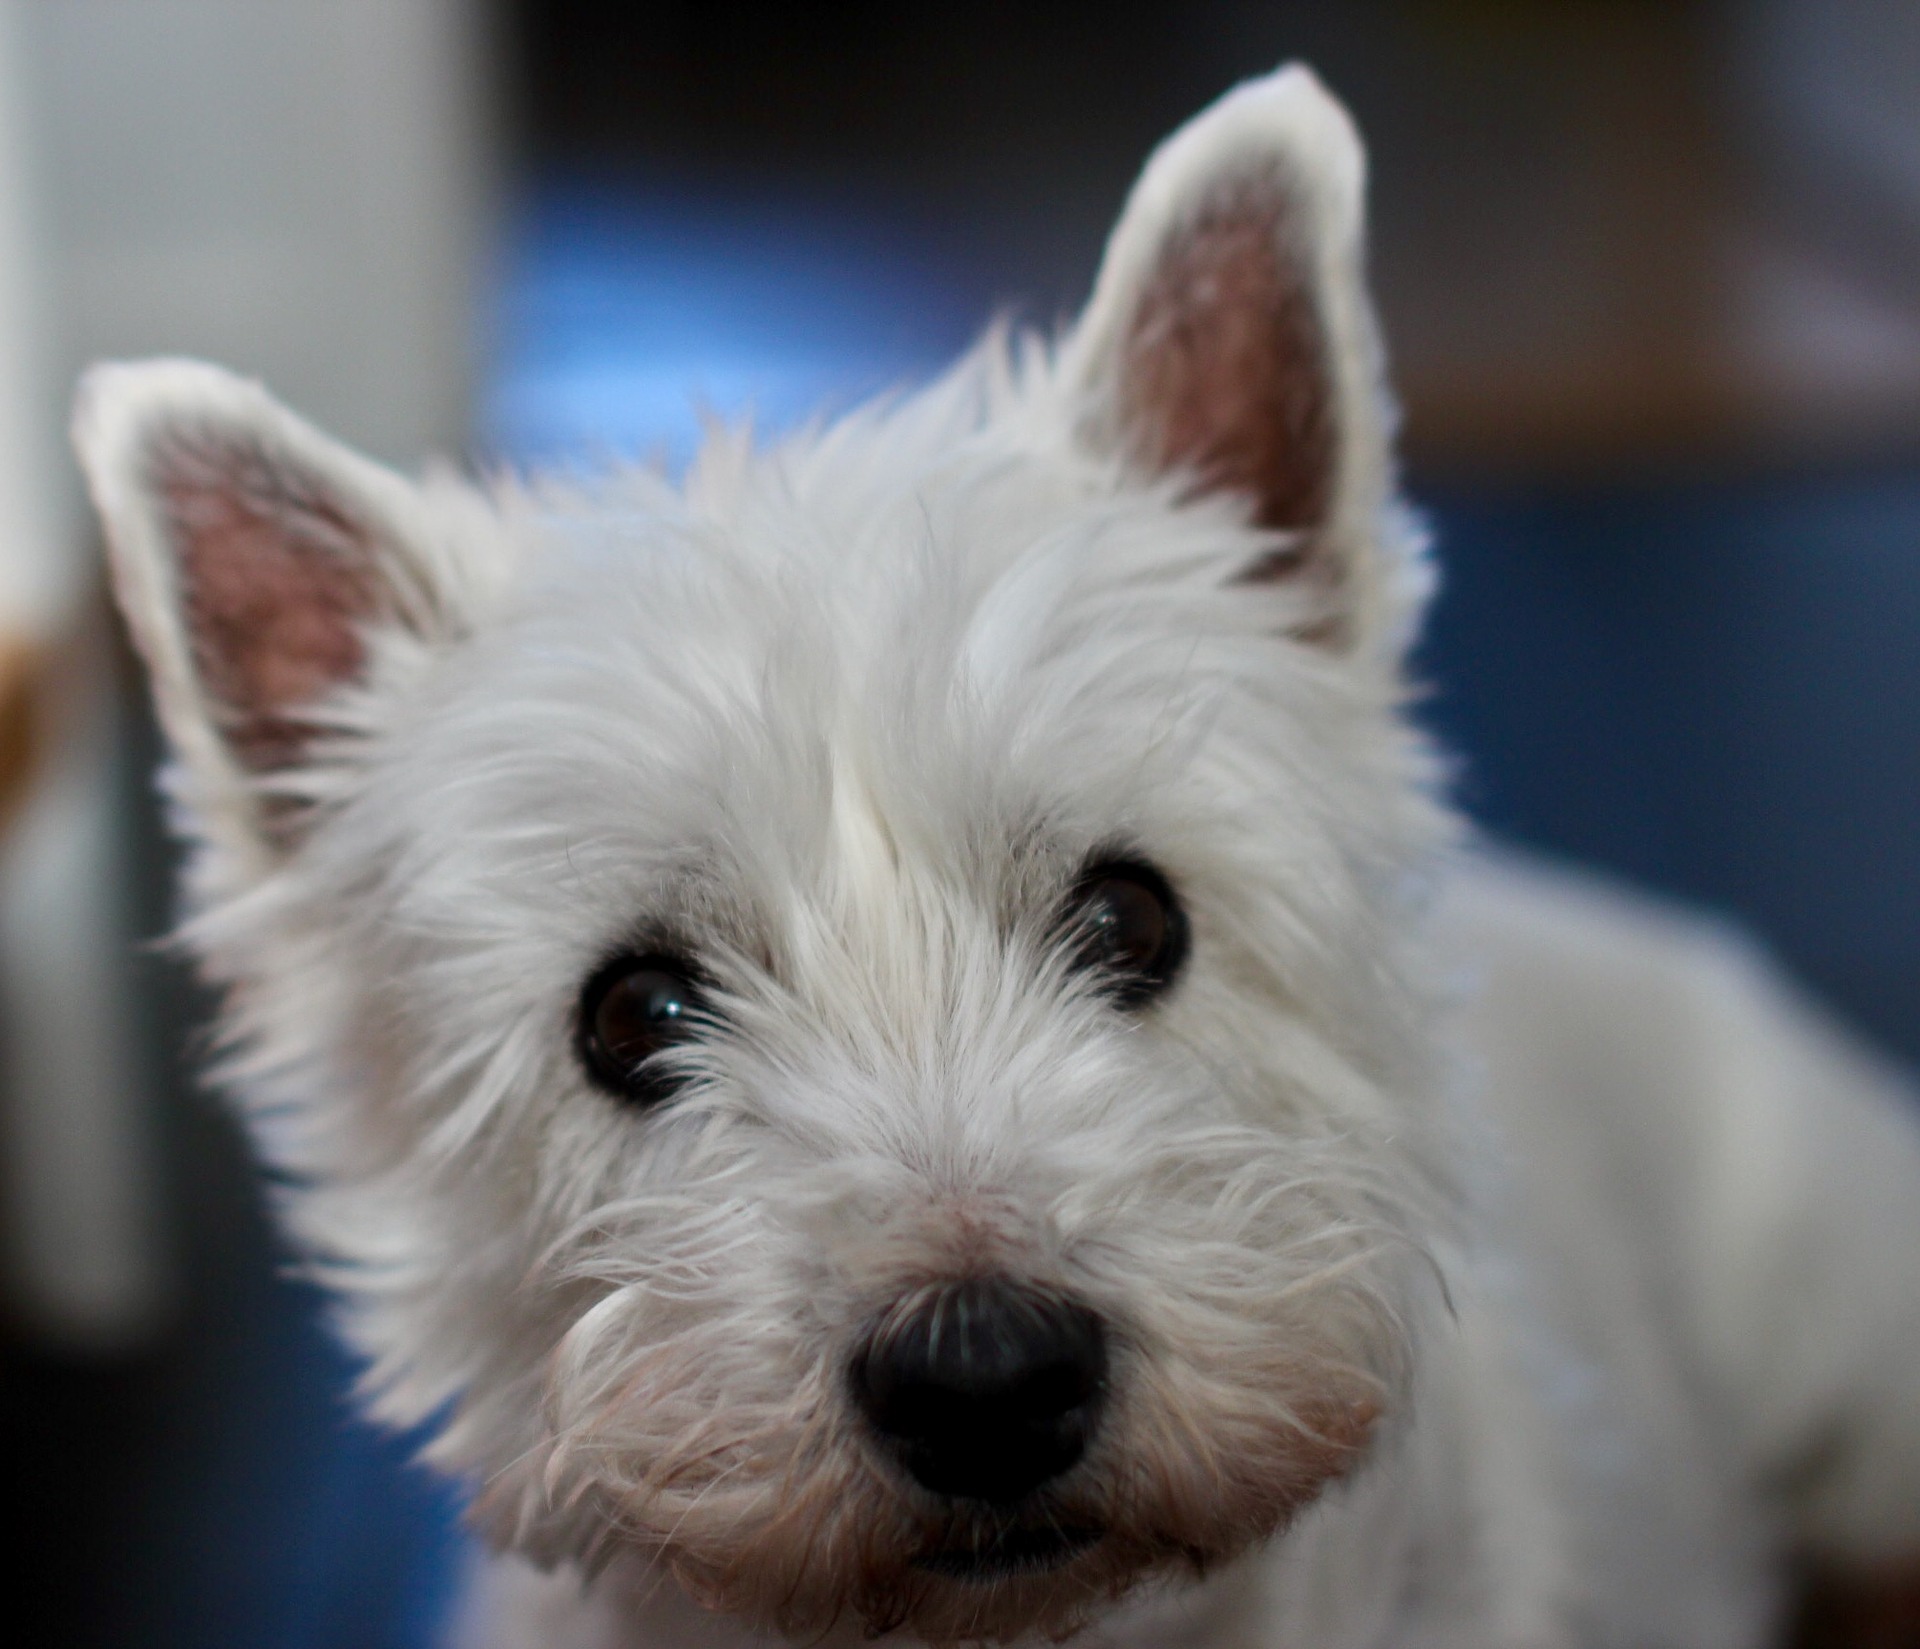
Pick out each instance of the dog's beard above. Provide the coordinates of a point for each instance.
(787, 1517)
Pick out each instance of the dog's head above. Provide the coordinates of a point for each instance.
(845, 1022)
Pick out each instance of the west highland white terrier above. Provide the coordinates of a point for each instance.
(892, 1037)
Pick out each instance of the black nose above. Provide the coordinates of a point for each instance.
(985, 1389)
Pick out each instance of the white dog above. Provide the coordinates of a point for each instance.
(892, 1037)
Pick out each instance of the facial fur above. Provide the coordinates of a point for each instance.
(841, 720)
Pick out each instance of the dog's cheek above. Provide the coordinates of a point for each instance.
(1220, 1458)
(1265, 1330)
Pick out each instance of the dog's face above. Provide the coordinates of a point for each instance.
(845, 1021)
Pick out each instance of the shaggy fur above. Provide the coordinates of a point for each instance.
(844, 716)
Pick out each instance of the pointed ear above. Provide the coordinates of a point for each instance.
(255, 561)
(1230, 338)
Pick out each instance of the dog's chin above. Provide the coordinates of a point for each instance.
(1016, 1553)
(1023, 1581)
(988, 1580)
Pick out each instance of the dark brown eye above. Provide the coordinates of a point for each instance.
(1127, 924)
(633, 1008)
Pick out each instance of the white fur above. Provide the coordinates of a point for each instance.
(1615, 1242)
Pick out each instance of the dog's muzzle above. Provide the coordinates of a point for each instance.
(986, 1389)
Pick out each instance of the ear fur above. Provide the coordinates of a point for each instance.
(1230, 337)
(252, 557)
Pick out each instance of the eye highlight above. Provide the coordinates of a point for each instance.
(1125, 922)
(632, 1009)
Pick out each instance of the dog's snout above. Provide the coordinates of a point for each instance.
(985, 1389)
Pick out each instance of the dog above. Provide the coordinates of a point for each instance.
(896, 1037)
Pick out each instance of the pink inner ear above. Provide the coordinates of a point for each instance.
(275, 581)
(1225, 367)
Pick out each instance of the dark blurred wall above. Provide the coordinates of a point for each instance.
(1585, 253)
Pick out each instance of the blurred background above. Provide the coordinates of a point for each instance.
(1651, 275)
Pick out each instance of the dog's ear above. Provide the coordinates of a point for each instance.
(1230, 337)
(257, 562)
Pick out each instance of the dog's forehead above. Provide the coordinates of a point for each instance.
(828, 666)
(869, 550)
(819, 625)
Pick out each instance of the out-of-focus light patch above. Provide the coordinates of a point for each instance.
(627, 314)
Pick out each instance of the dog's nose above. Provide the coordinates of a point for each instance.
(986, 1388)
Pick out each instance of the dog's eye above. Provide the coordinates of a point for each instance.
(1126, 922)
(632, 1009)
